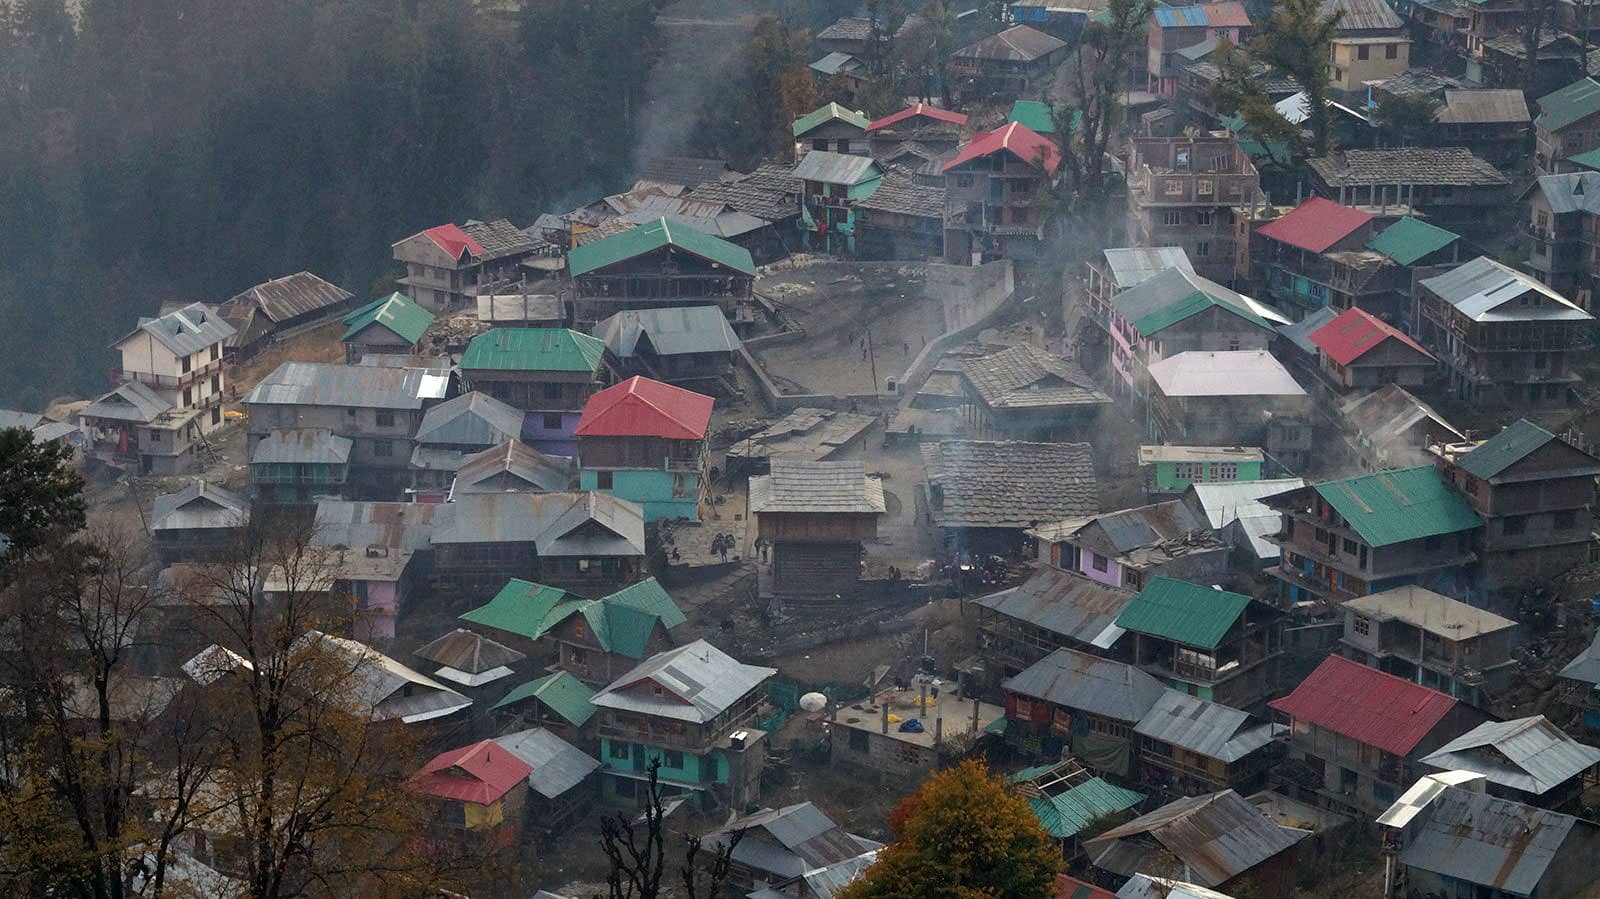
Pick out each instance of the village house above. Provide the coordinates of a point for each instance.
(580, 541)
(1368, 44)
(841, 75)
(1120, 268)
(170, 390)
(1534, 491)
(1193, 745)
(1366, 534)
(928, 126)
(832, 183)
(1174, 28)
(1356, 732)
(1230, 398)
(378, 554)
(594, 640)
(1130, 547)
(1444, 183)
(1026, 393)
(1459, 841)
(1564, 211)
(1439, 24)
(1197, 86)
(1071, 701)
(469, 659)
(1494, 123)
(677, 344)
(561, 788)
(1205, 642)
(1292, 256)
(557, 702)
(1432, 640)
(1177, 311)
(807, 433)
(377, 409)
(902, 219)
(673, 172)
(937, 726)
(645, 441)
(693, 709)
(1004, 65)
(658, 264)
(1173, 469)
(514, 467)
(475, 794)
(992, 191)
(831, 128)
(1568, 124)
(454, 429)
(549, 373)
(984, 494)
(1068, 801)
(816, 516)
(769, 193)
(1502, 62)
(1390, 428)
(1359, 350)
(1185, 839)
(1236, 513)
(198, 523)
(1578, 684)
(392, 324)
(1501, 336)
(447, 266)
(776, 848)
(521, 310)
(279, 308)
(1190, 192)
(1525, 760)
(1051, 610)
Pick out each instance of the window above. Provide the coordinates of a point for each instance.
(552, 391)
(1363, 51)
(216, 415)
(350, 412)
(1099, 563)
(552, 421)
(155, 436)
(672, 758)
(1203, 217)
(214, 352)
(1172, 217)
(1349, 546)
(385, 419)
(187, 362)
(1362, 626)
(216, 383)
(382, 448)
(188, 396)
(1172, 187)
(602, 480)
(1391, 51)
(1202, 249)
(1514, 524)
(453, 813)
(1205, 187)
(620, 750)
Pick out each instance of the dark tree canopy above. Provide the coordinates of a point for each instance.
(40, 493)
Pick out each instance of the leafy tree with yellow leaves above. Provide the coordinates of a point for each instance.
(962, 835)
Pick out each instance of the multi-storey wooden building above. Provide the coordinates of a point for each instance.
(993, 189)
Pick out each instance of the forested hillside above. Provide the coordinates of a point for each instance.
(186, 149)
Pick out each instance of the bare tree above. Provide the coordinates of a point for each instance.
(638, 854)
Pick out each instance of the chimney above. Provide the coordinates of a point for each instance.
(885, 711)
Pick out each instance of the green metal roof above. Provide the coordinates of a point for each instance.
(1404, 504)
(1576, 101)
(395, 312)
(564, 694)
(1191, 305)
(1067, 814)
(534, 349)
(650, 597)
(1410, 239)
(522, 608)
(1185, 613)
(826, 114)
(1234, 123)
(1589, 159)
(1033, 115)
(652, 236)
(1505, 449)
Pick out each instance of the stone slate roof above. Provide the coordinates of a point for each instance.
(1363, 15)
(901, 193)
(1025, 376)
(805, 486)
(1009, 484)
(685, 170)
(1488, 107)
(285, 298)
(1419, 81)
(1454, 166)
(499, 239)
(1019, 43)
(769, 193)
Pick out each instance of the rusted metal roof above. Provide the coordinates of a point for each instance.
(1208, 839)
(1528, 754)
(1065, 604)
(1019, 43)
(1077, 680)
(1490, 842)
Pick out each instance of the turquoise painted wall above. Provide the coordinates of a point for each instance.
(1167, 480)
(696, 769)
(650, 489)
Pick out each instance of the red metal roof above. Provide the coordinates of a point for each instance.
(1226, 15)
(453, 240)
(481, 773)
(1073, 888)
(921, 109)
(1023, 142)
(1350, 335)
(1366, 705)
(1315, 225)
(640, 407)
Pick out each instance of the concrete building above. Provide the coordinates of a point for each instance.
(447, 266)
(645, 441)
(1191, 192)
(993, 187)
(1205, 642)
(1432, 640)
(1369, 44)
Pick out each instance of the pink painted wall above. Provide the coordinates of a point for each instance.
(376, 621)
(1111, 577)
(1124, 353)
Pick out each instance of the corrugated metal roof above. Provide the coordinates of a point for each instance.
(1143, 886)
(1421, 794)
(669, 331)
(10, 418)
(1401, 504)
(1236, 373)
(1172, 295)
(1516, 442)
(306, 446)
(546, 520)
(514, 467)
(1216, 837)
(354, 386)
(1430, 612)
(1315, 225)
(470, 420)
(464, 650)
(805, 486)
(134, 401)
(788, 841)
(523, 608)
(1204, 15)
(555, 766)
(700, 682)
(1585, 667)
(201, 505)
(826, 883)
(534, 349)
(1066, 814)
(1383, 420)
(391, 689)
(920, 110)
(1569, 105)
(827, 113)
(1213, 730)
(185, 331)
(1486, 291)
(517, 308)
(1035, 115)
(456, 243)
(836, 62)
(1411, 239)
(1572, 191)
(1299, 333)
(1223, 502)
(836, 168)
(1130, 266)
(641, 407)
(1491, 842)
(562, 692)
(1527, 754)
(1183, 612)
(1366, 705)
(1015, 138)
(1356, 332)
(652, 236)
(1077, 680)
(1065, 604)
(395, 312)
(1019, 43)
(481, 773)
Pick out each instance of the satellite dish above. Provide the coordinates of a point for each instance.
(813, 702)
